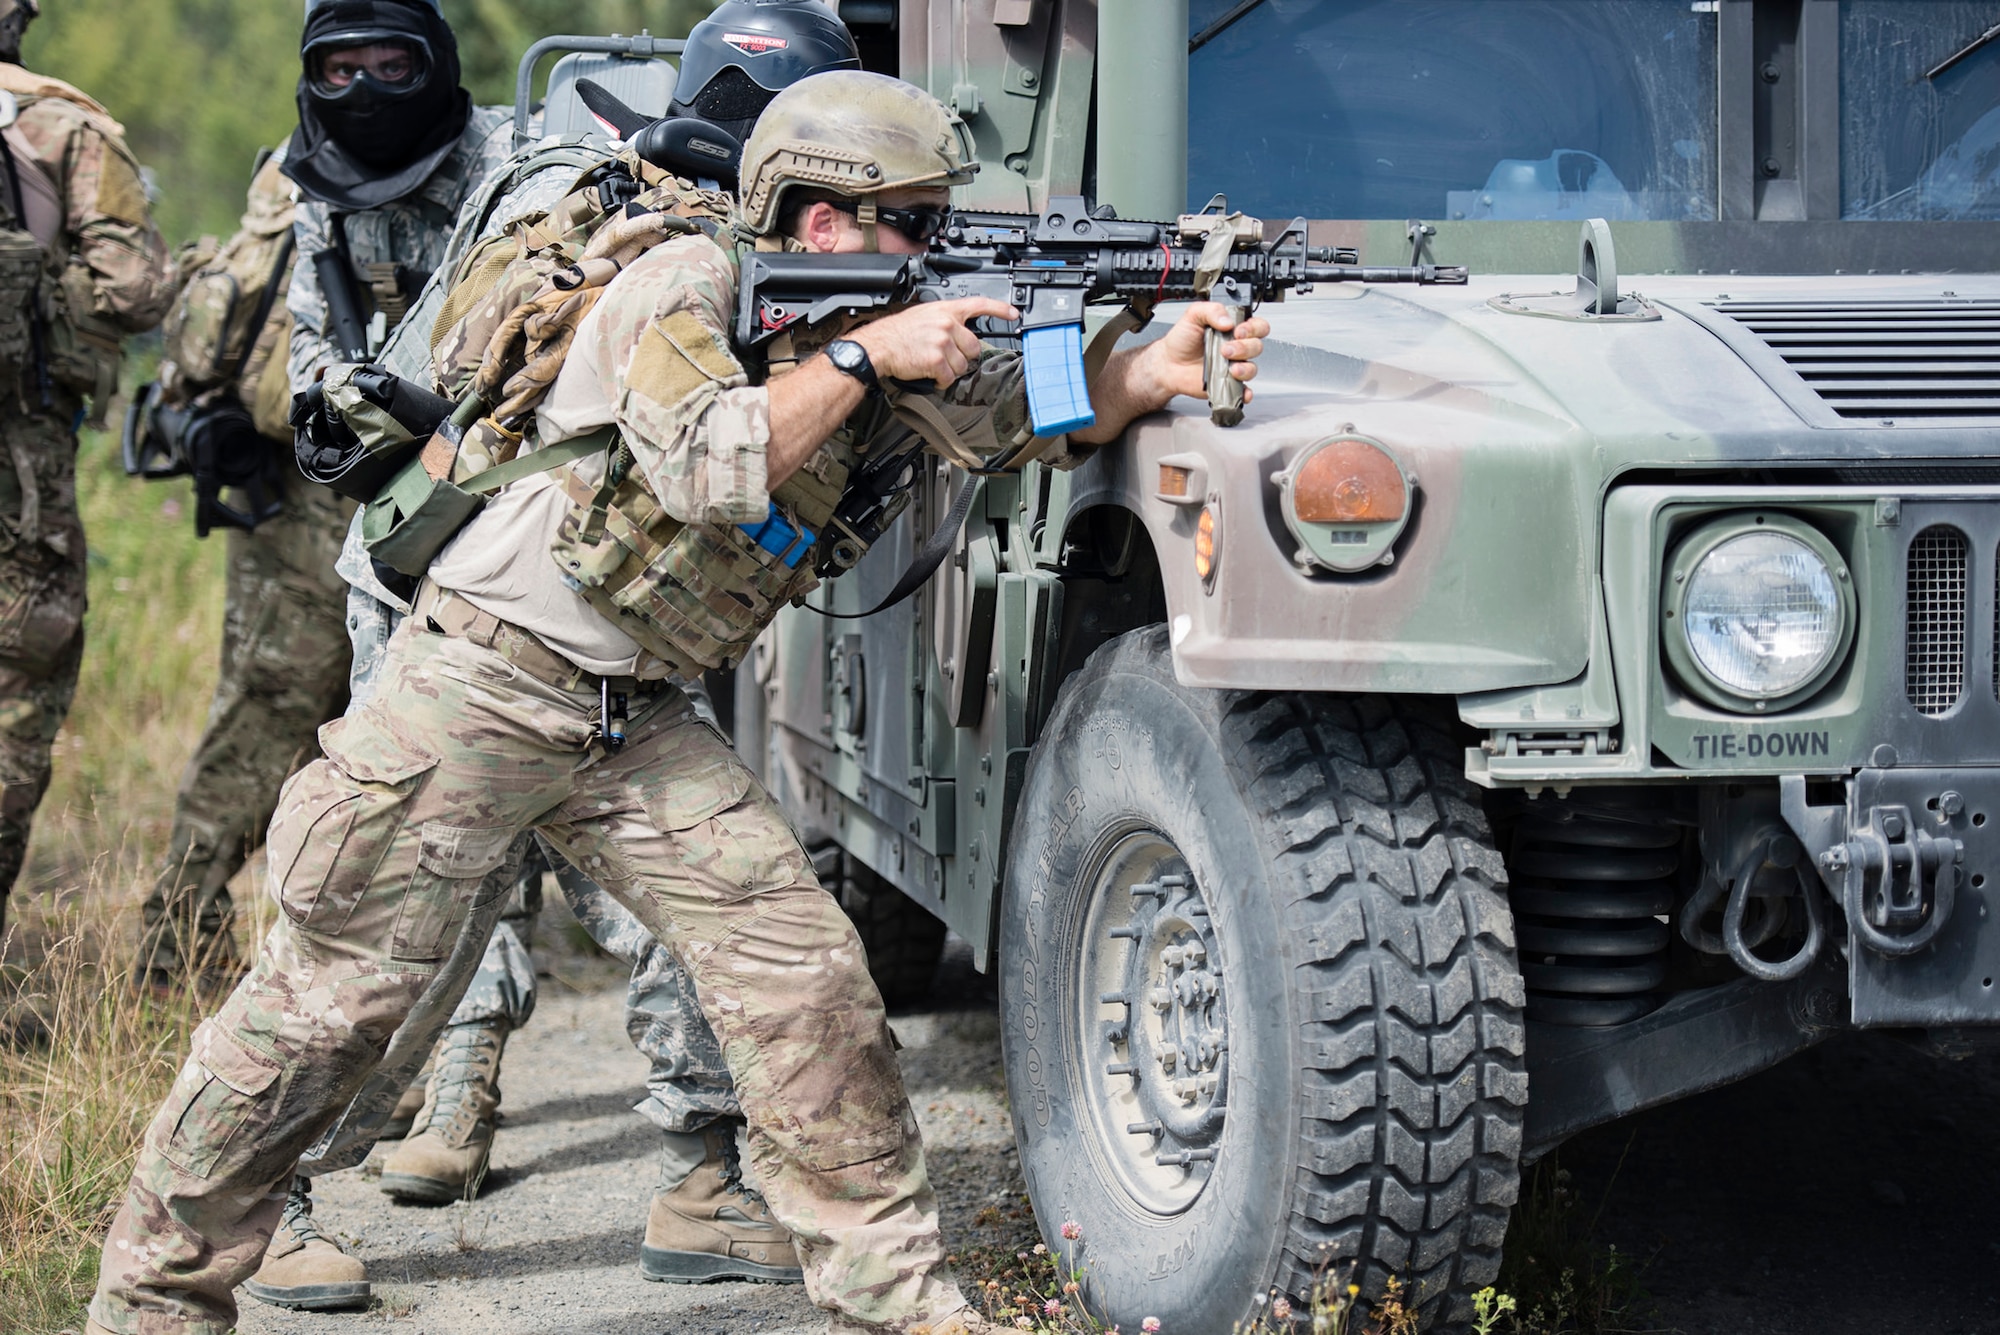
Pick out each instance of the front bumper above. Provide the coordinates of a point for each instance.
(1912, 858)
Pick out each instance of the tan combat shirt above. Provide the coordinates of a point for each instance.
(698, 430)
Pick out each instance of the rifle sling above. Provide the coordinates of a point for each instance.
(919, 414)
(925, 563)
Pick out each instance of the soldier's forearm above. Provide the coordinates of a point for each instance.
(807, 406)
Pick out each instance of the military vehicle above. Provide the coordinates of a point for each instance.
(1561, 694)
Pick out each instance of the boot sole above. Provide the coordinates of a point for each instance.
(665, 1267)
(312, 1297)
(428, 1190)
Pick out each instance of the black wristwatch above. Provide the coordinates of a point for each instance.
(850, 358)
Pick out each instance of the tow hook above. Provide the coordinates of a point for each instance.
(1895, 881)
(1885, 869)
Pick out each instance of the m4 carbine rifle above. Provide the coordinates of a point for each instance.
(1050, 266)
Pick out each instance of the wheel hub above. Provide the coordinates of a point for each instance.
(1153, 997)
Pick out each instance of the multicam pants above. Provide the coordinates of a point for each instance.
(284, 672)
(687, 1085)
(379, 851)
(41, 614)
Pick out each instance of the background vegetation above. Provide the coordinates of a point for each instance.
(201, 85)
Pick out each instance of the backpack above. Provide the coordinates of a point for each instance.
(230, 327)
(512, 306)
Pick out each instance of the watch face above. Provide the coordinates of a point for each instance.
(848, 356)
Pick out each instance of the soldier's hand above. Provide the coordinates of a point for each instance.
(931, 341)
(1140, 380)
(1176, 360)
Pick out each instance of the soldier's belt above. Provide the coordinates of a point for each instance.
(445, 613)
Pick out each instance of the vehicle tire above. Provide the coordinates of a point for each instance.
(904, 941)
(1300, 899)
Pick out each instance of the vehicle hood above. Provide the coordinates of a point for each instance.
(1690, 386)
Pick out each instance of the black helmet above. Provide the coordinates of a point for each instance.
(741, 56)
(367, 141)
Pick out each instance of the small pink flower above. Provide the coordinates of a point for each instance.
(1281, 1309)
(1072, 1230)
(1041, 1249)
(1150, 1325)
(1072, 1288)
(1052, 1308)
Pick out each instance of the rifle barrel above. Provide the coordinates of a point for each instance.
(1411, 273)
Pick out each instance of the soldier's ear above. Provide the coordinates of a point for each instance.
(821, 227)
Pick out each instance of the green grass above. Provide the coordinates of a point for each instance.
(83, 1062)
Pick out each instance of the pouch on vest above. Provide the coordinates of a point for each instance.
(22, 260)
(359, 425)
(83, 346)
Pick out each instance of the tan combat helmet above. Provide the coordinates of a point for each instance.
(850, 132)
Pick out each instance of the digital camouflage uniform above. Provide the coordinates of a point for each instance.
(107, 274)
(283, 673)
(427, 787)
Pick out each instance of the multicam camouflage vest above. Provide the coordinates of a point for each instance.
(693, 595)
(21, 263)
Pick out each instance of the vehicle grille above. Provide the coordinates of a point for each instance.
(1934, 654)
(1900, 360)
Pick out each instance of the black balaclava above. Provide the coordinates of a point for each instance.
(372, 143)
(14, 20)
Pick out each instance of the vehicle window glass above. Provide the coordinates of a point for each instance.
(1912, 146)
(1455, 109)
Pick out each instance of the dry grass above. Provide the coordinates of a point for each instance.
(83, 1062)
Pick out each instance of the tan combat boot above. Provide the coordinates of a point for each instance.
(303, 1269)
(405, 1116)
(445, 1157)
(707, 1223)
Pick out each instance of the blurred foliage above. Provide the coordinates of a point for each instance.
(201, 85)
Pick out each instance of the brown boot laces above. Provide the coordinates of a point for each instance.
(298, 1213)
(470, 1054)
(732, 1175)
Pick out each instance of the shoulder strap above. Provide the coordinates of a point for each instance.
(545, 460)
(262, 314)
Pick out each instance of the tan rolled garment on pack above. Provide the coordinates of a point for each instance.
(500, 561)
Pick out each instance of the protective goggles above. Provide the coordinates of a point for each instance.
(327, 60)
(919, 225)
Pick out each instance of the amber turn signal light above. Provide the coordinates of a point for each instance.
(1204, 544)
(1174, 480)
(1349, 482)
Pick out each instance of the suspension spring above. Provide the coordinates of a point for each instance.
(1589, 884)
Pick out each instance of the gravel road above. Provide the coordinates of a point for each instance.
(1854, 1189)
(551, 1246)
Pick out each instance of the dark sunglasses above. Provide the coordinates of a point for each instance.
(919, 225)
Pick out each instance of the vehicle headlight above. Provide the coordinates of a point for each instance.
(1759, 611)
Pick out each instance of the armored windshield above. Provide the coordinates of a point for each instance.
(1454, 109)
(1465, 110)
(1920, 130)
